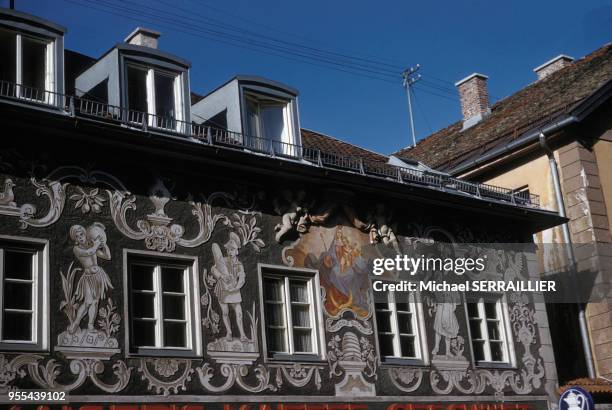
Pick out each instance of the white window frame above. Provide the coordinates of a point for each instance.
(179, 105)
(417, 326)
(287, 106)
(504, 328)
(40, 298)
(318, 342)
(49, 96)
(192, 312)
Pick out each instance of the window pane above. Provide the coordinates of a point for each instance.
(252, 118)
(33, 63)
(273, 290)
(174, 307)
(497, 354)
(475, 329)
(479, 350)
(404, 322)
(276, 340)
(407, 346)
(174, 334)
(300, 315)
(18, 265)
(273, 122)
(299, 291)
(16, 326)
(143, 333)
(275, 314)
(473, 310)
(144, 305)
(8, 62)
(302, 341)
(142, 277)
(164, 96)
(383, 321)
(17, 295)
(172, 280)
(381, 306)
(491, 310)
(386, 345)
(493, 328)
(403, 307)
(137, 89)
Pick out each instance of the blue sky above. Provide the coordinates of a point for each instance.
(450, 39)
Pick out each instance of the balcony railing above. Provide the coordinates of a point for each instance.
(86, 108)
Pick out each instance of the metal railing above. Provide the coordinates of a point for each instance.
(83, 107)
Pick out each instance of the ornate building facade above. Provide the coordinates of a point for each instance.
(157, 248)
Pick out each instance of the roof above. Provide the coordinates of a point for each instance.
(594, 386)
(529, 108)
(325, 143)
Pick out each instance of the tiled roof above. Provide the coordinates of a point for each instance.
(325, 143)
(529, 108)
(593, 386)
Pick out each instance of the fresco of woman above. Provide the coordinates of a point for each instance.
(94, 282)
(344, 274)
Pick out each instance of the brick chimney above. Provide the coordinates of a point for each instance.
(553, 65)
(143, 37)
(474, 98)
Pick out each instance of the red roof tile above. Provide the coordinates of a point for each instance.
(327, 144)
(529, 108)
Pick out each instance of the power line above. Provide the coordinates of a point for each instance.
(197, 33)
(394, 63)
(283, 47)
(395, 68)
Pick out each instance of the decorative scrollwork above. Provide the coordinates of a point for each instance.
(298, 375)
(406, 379)
(157, 230)
(46, 376)
(166, 368)
(55, 192)
(235, 373)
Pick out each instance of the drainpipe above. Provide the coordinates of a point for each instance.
(554, 171)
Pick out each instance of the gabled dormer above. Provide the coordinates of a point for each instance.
(31, 58)
(262, 112)
(143, 85)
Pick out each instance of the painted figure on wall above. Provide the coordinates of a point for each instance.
(230, 276)
(445, 322)
(338, 254)
(89, 245)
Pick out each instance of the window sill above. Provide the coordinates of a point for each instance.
(398, 361)
(494, 365)
(154, 353)
(19, 347)
(293, 358)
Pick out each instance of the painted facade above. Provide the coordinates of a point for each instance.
(114, 212)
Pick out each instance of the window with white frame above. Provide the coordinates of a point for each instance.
(268, 118)
(21, 301)
(28, 65)
(490, 342)
(397, 327)
(160, 306)
(155, 92)
(289, 314)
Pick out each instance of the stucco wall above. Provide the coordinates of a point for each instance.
(184, 210)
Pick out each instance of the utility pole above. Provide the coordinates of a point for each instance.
(410, 77)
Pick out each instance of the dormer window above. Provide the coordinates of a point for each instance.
(268, 118)
(157, 93)
(28, 66)
(261, 115)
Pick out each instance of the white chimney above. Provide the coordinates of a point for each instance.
(143, 37)
(474, 97)
(553, 65)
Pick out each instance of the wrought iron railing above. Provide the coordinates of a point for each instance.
(87, 108)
